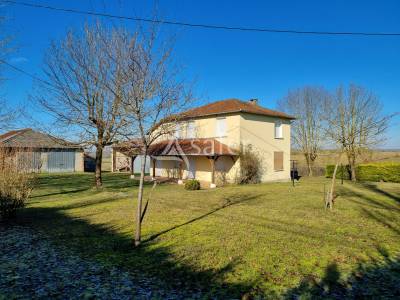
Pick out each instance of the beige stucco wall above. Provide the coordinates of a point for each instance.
(259, 131)
(169, 168)
(225, 168)
(205, 127)
(245, 129)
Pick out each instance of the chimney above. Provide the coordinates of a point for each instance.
(253, 101)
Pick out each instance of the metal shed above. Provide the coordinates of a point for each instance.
(40, 152)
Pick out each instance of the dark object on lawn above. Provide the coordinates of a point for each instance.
(294, 173)
(192, 185)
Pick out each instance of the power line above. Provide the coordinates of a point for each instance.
(24, 72)
(199, 25)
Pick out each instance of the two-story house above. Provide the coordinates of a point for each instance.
(207, 138)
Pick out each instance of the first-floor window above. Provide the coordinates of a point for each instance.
(278, 161)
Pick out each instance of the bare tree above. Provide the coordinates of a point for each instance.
(82, 85)
(355, 122)
(153, 95)
(307, 130)
(5, 41)
(7, 114)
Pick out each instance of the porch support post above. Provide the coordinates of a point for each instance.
(114, 160)
(154, 167)
(212, 160)
(180, 170)
(133, 164)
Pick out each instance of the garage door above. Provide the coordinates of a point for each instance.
(29, 161)
(61, 161)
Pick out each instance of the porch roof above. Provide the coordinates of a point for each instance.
(179, 147)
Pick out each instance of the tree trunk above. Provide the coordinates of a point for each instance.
(99, 156)
(352, 164)
(353, 171)
(331, 193)
(309, 164)
(138, 232)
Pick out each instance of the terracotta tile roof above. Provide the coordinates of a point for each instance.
(130, 148)
(12, 133)
(29, 138)
(192, 147)
(232, 106)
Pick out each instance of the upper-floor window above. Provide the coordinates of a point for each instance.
(278, 130)
(178, 131)
(220, 129)
(191, 130)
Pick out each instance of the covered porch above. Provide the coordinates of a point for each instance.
(206, 160)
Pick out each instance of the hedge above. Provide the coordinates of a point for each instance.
(388, 172)
(345, 169)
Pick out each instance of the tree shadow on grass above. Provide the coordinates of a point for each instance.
(65, 184)
(151, 264)
(363, 199)
(374, 188)
(227, 202)
(377, 280)
(63, 192)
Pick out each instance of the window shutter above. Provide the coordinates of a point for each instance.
(191, 130)
(278, 130)
(221, 127)
(178, 131)
(278, 161)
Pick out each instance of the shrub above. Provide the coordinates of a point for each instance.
(341, 168)
(192, 185)
(16, 184)
(250, 166)
(389, 172)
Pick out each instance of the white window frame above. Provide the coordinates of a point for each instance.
(278, 127)
(220, 132)
(178, 131)
(191, 130)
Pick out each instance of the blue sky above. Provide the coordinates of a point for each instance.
(242, 64)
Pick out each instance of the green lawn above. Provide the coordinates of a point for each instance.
(268, 240)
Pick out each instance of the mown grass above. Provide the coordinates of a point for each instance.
(267, 240)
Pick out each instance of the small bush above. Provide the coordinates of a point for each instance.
(192, 185)
(16, 184)
(250, 166)
(389, 172)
